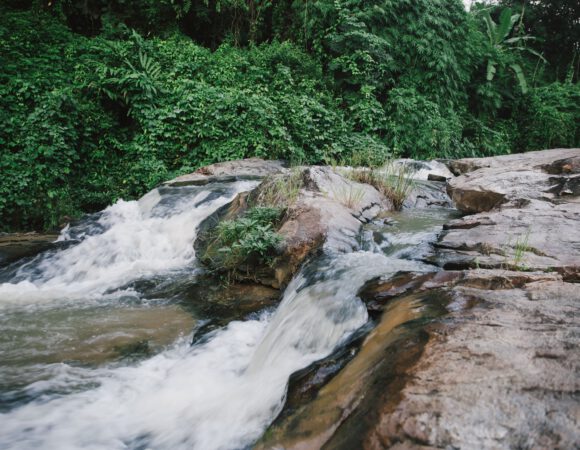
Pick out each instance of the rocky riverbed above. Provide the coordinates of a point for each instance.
(452, 323)
(483, 353)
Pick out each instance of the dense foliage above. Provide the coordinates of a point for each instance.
(103, 99)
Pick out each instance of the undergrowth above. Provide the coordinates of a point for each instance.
(280, 191)
(250, 239)
(392, 180)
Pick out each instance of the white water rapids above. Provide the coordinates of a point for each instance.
(220, 394)
(134, 239)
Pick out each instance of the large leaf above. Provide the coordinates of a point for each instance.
(490, 27)
(521, 77)
(490, 70)
(506, 24)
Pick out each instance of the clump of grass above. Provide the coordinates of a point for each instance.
(520, 249)
(349, 195)
(393, 181)
(280, 191)
(251, 238)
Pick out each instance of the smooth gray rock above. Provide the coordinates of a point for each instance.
(251, 168)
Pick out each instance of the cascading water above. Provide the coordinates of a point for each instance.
(219, 394)
(128, 241)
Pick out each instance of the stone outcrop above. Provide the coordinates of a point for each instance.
(503, 373)
(326, 214)
(528, 214)
(14, 246)
(483, 354)
(515, 180)
(251, 168)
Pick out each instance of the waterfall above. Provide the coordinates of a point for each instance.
(129, 240)
(219, 394)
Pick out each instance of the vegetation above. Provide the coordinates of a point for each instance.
(394, 181)
(349, 195)
(520, 248)
(249, 238)
(279, 191)
(101, 100)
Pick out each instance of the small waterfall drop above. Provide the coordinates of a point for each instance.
(129, 240)
(215, 396)
(220, 394)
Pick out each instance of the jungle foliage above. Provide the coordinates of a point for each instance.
(104, 99)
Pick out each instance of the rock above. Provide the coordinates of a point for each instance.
(428, 194)
(326, 214)
(542, 158)
(422, 170)
(503, 376)
(14, 246)
(433, 177)
(341, 409)
(541, 236)
(251, 168)
(228, 301)
(514, 180)
(480, 358)
(470, 359)
(529, 215)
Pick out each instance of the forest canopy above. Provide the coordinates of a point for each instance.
(104, 99)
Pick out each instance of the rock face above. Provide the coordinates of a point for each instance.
(529, 214)
(515, 180)
(484, 354)
(19, 245)
(504, 374)
(229, 171)
(327, 213)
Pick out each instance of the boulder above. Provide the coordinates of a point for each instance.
(251, 168)
(527, 214)
(514, 180)
(327, 214)
(14, 246)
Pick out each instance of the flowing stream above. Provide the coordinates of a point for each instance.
(221, 393)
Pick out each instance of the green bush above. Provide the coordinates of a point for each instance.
(250, 239)
(420, 128)
(85, 120)
(550, 117)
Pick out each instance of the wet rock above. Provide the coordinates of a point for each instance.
(503, 376)
(327, 214)
(251, 168)
(471, 359)
(428, 194)
(229, 300)
(342, 409)
(481, 358)
(14, 246)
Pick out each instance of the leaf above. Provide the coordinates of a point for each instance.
(491, 70)
(491, 26)
(521, 77)
(505, 25)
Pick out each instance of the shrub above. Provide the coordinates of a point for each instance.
(250, 239)
(550, 117)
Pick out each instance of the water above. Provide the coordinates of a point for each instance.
(219, 394)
